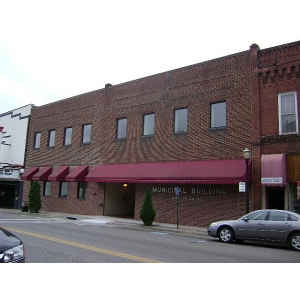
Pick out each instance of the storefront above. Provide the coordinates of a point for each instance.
(280, 180)
(208, 189)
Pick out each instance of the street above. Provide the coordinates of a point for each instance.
(90, 241)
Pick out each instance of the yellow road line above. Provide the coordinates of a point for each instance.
(83, 246)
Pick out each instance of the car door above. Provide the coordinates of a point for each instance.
(277, 226)
(251, 227)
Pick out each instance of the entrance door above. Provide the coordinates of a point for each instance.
(119, 200)
(275, 197)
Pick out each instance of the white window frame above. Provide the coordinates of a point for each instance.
(279, 112)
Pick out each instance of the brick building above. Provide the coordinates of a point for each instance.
(276, 139)
(98, 153)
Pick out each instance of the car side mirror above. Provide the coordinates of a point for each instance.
(245, 219)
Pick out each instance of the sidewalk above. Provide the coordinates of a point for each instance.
(124, 222)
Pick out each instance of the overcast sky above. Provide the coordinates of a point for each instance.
(51, 50)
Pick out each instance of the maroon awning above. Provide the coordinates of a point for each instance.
(29, 173)
(42, 174)
(59, 174)
(273, 169)
(77, 174)
(179, 172)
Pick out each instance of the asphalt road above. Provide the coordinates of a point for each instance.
(62, 240)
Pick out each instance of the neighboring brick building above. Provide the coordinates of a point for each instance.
(184, 127)
(277, 129)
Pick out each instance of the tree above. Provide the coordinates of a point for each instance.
(35, 197)
(147, 213)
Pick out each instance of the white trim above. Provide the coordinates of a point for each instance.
(279, 112)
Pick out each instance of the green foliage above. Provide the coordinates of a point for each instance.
(35, 197)
(147, 213)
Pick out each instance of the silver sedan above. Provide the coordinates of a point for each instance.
(279, 226)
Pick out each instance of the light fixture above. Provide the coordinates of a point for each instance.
(124, 185)
(246, 153)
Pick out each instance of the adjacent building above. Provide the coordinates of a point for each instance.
(97, 153)
(13, 138)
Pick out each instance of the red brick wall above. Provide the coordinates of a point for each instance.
(194, 210)
(92, 205)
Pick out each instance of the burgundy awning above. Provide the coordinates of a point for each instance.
(59, 174)
(77, 174)
(29, 173)
(179, 172)
(273, 169)
(42, 174)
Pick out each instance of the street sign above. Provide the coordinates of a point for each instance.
(242, 187)
(177, 190)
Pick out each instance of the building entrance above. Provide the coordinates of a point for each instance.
(275, 197)
(119, 200)
(8, 192)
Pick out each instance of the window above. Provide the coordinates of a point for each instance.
(37, 140)
(86, 133)
(218, 115)
(149, 124)
(288, 115)
(47, 188)
(181, 120)
(63, 189)
(68, 136)
(292, 218)
(82, 186)
(51, 138)
(277, 216)
(257, 215)
(121, 128)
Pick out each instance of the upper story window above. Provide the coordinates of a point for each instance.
(121, 128)
(86, 133)
(37, 140)
(288, 113)
(218, 115)
(149, 124)
(181, 116)
(51, 138)
(68, 136)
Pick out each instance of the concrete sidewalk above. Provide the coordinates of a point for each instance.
(122, 222)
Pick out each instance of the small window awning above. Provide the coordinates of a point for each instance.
(77, 174)
(29, 173)
(59, 174)
(178, 172)
(42, 174)
(273, 169)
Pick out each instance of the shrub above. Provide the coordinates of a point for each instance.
(147, 213)
(35, 197)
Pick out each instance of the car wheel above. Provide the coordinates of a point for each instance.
(294, 241)
(226, 235)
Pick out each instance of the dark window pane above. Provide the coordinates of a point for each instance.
(81, 190)
(218, 115)
(47, 188)
(181, 120)
(149, 123)
(122, 128)
(63, 189)
(288, 123)
(87, 134)
(278, 216)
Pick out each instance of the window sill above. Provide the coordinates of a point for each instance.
(149, 136)
(86, 144)
(181, 133)
(120, 139)
(217, 128)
